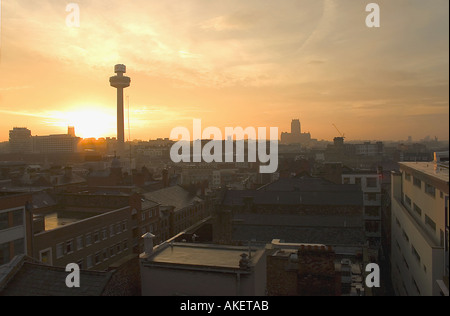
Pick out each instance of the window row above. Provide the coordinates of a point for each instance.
(103, 255)
(148, 214)
(429, 189)
(88, 239)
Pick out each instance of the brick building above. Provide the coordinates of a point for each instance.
(301, 270)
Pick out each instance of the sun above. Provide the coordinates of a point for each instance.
(92, 122)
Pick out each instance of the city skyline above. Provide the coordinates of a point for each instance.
(229, 64)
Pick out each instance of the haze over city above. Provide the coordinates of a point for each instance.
(233, 63)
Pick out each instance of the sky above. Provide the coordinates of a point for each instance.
(246, 63)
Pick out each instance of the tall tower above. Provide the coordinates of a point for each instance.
(119, 81)
(295, 127)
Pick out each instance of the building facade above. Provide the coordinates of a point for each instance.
(370, 182)
(419, 228)
(15, 227)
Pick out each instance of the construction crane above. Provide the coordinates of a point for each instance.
(342, 135)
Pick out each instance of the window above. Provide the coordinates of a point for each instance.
(104, 233)
(97, 258)
(372, 182)
(441, 194)
(118, 229)
(4, 220)
(415, 253)
(80, 242)
(416, 286)
(407, 176)
(125, 245)
(417, 182)
(45, 256)
(111, 230)
(118, 250)
(96, 237)
(59, 250)
(417, 209)
(430, 223)
(430, 190)
(105, 254)
(405, 236)
(69, 246)
(407, 201)
(88, 240)
(89, 262)
(357, 181)
(405, 262)
(80, 264)
(4, 253)
(143, 216)
(17, 218)
(19, 246)
(111, 252)
(124, 226)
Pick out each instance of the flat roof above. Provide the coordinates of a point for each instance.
(62, 218)
(201, 255)
(429, 169)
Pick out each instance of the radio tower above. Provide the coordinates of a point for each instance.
(119, 81)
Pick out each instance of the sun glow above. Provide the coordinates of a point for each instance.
(92, 122)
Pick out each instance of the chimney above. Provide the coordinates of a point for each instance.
(148, 244)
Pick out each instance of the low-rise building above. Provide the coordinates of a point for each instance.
(174, 268)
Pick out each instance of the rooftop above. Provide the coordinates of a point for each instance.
(174, 196)
(439, 172)
(62, 218)
(24, 277)
(201, 255)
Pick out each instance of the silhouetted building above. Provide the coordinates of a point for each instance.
(295, 136)
(52, 144)
(20, 140)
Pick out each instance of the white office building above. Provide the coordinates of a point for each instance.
(419, 253)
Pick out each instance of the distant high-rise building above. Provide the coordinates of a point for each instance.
(71, 131)
(62, 143)
(20, 140)
(296, 127)
(295, 136)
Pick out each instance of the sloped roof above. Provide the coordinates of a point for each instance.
(42, 199)
(174, 196)
(27, 278)
(322, 197)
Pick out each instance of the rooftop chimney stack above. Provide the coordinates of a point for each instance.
(148, 244)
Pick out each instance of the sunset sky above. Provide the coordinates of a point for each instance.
(256, 63)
